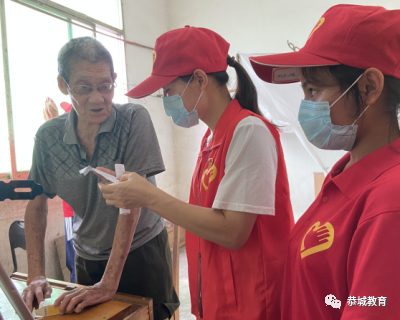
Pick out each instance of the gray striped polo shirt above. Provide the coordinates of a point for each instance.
(127, 137)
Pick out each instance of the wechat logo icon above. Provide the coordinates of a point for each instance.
(330, 300)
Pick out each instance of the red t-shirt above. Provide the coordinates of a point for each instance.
(347, 244)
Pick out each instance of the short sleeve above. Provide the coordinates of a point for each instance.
(250, 173)
(373, 269)
(37, 172)
(143, 154)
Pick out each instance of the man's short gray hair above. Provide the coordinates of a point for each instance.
(86, 48)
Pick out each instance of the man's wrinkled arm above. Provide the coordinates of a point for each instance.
(124, 233)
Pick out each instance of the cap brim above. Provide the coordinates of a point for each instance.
(283, 68)
(149, 86)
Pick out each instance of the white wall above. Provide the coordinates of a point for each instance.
(144, 21)
(257, 25)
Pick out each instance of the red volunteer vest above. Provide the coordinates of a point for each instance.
(247, 283)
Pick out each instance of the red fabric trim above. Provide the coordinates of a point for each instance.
(68, 211)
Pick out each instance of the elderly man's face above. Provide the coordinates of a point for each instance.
(94, 107)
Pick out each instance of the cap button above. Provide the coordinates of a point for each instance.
(187, 26)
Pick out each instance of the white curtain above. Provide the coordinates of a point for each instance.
(280, 104)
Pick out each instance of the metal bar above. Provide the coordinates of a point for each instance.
(13, 295)
(8, 90)
(120, 11)
(70, 33)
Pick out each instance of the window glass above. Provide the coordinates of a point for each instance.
(116, 49)
(33, 72)
(5, 163)
(107, 11)
(80, 32)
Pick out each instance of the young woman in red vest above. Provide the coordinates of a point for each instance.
(239, 214)
(343, 258)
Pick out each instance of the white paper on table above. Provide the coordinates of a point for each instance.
(45, 309)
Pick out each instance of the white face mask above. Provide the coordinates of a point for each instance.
(315, 120)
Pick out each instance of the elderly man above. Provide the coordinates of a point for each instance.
(111, 255)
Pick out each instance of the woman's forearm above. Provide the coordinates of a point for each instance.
(229, 229)
(226, 228)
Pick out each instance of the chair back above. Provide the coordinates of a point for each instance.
(17, 239)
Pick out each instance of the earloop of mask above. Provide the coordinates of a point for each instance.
(185, 90)
(347, 90)
(187, 85)
(198, 101)
(361, 114)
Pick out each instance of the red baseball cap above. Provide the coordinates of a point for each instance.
(357, 36)
(178, 53)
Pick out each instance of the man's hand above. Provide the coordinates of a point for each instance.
(80, 298)
(37, 287)
(133, 191)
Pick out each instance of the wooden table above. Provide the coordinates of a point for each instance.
(121, 307)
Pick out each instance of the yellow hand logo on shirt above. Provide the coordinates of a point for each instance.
(211, 172)
(323, 234)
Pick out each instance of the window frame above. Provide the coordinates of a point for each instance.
(57, 11)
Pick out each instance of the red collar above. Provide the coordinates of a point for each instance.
(366, 170)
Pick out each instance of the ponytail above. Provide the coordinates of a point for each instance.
(246, 92)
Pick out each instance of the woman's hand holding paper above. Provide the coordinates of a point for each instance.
(133, 191)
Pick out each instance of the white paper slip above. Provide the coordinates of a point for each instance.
(119, 170)
(107, 176)
(44, 310)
